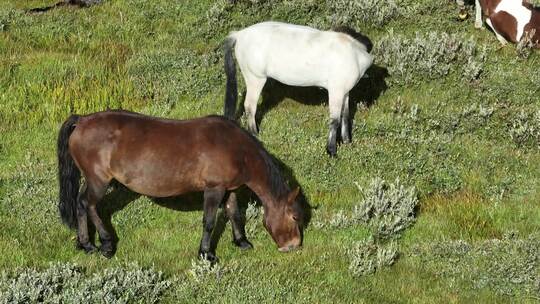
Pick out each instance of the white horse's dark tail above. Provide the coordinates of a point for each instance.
(231, 94)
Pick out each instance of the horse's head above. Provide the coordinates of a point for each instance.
(284, 222)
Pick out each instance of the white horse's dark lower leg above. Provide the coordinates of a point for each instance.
(237, 223)
(345, 122)
(212, 198)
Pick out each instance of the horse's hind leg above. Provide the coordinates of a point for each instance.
(345, 122)
(95, 191)
(254, 87)
(83, 239)
(212, 199)
(238, 226)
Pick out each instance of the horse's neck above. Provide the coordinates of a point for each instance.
(263, 191)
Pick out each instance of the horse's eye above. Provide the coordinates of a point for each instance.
(295, 218)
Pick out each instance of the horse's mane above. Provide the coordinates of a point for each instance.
(355, 35)
(278, 186)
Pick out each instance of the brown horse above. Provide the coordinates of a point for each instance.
(165, 157)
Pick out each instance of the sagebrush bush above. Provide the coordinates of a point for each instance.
(524, 129)
(374, 12)
(68, 283)
(506, 266)
(202, 270)
(254, 216)
(387, 208)
(367, 256)
(428, 56)
(526, 45)
(322, 14)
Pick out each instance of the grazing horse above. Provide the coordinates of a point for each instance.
(511, 20)
(298, 56)
(165, 157)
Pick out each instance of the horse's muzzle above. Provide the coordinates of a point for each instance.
(288, 248)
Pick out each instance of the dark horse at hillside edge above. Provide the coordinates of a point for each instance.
(164, 157)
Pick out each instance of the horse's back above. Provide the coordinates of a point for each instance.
(161, 157)
(299, 55)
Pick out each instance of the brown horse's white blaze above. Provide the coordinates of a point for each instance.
(164, 157)
(511, 20)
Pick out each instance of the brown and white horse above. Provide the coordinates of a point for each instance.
(511, 20)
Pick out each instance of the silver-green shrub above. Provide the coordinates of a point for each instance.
(375, 12)
(387, 208)
(253, 220)
(507, 266)
(367, 256)
(68, 283)
(429, 56)
(524, 129)
(202, 269)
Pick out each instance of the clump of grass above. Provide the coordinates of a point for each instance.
(428, 56)
(388, 209)
(367, 257)
(68, 283)
(165, 76)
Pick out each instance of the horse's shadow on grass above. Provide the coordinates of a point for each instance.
(117, 199)
(366, 91)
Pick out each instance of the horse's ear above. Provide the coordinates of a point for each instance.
(292, 195)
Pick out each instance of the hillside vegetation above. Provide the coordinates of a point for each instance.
(436, 200)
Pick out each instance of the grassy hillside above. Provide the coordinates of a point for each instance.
(445, 110)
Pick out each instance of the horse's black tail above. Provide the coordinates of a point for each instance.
(231, 94)
(68, 175)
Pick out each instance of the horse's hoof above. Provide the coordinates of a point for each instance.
(243, 244)
(107, 252)
(87, 247)
(209, 256)
(107, 249)
(331, 150)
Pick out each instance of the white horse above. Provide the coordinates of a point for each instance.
(298, 56)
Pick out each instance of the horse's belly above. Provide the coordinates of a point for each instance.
(162, 187)
(300, 72)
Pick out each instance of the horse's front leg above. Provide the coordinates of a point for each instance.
(212, 199)
(254, 88)
(335, 102)
(478, 14)
(237, 223)
(345, 121)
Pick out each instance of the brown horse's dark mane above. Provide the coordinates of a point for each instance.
(278, 186)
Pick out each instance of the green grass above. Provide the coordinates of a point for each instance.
(475, 182)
